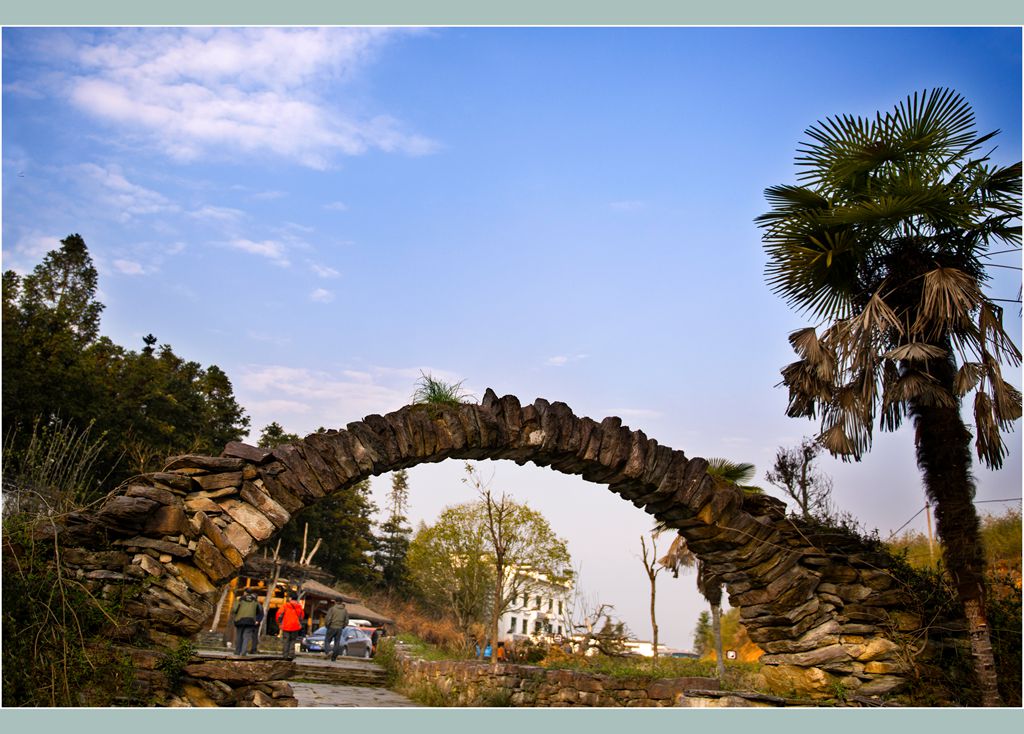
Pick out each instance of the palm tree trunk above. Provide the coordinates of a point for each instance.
(944, 457)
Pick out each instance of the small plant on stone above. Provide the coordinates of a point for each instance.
(173, 663)
(432, 391)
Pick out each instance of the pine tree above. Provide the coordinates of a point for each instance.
(395, 535)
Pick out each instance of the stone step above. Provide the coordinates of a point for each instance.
(341, 675)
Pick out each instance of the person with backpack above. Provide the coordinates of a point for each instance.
(335, 621)
(289, 618)
(246, 614)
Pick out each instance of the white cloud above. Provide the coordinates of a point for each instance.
(113, 192)
(324, 271)
(336, 206)
(561, 360)
(194, 92)
(321, 295)
(217, 213)
(303, 399)
(36, 246)
(270, 249)
(129, 267)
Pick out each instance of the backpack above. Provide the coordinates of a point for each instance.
(247, 613)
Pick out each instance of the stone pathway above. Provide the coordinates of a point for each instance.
(325, 694)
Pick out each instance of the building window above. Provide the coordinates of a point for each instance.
(551, 604)
(524, 626)
(526, 601)
(512, 627)
(559, 606)
(538, 602)
(536, 627)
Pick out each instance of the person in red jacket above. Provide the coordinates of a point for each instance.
(289, 619)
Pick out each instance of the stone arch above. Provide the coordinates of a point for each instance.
(824, 606)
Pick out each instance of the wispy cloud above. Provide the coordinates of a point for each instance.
(129, 267)
(269, 195)
(324, 271)
(561, 360)
(197, 92)
(336, 206)
(270, 249)
(321, 295)
(302, 399)
(112, 191)
(217, 213)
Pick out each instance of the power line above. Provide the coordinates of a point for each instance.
(907, 522)
(977, 502)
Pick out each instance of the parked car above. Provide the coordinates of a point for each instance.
(315, 641)
(354, 642)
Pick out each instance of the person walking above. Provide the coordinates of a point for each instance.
(244, 614)
(335, 621)
(289, 619)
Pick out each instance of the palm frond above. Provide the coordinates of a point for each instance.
(948, 298)
(967, 377)
(988, 439)
(915, 351)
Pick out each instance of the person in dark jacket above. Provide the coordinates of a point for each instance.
(335, 621)
(245, 614)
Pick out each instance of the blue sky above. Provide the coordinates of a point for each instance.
(562, 213)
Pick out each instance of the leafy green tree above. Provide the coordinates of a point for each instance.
(521, 545)
(449, 566)
(884, 243)
(274, 435)
(395, 535)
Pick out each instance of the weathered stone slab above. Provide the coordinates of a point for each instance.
(254, 521)
(239, 450)
(163, 546)
(126, 511)
(196, 579)
(262, 501)
(205, 463)
(212, 494)
(203, 504)
(212, 562)
(239, 538)
(157, 494)
(177, 483)
(167, 520)
(281, 493)
(240, 672)
(147, 564)
(221, 480)
(219, 540)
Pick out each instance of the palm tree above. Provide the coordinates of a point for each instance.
(883, 243)
(679, 555)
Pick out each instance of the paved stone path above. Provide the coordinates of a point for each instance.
(326, 694)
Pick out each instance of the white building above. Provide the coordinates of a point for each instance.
(541, 608)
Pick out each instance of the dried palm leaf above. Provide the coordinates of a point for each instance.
(877, 316)
(988, 441)
(967, 377)
(916, 351)
(948, 299)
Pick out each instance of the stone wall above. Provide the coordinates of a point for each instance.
(473, 683)
(824, 605)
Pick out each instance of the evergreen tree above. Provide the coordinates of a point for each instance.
(395, 534)
(58, 369)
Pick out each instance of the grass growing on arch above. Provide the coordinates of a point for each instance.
(432, 391)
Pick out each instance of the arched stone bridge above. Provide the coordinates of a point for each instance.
(825, 608)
